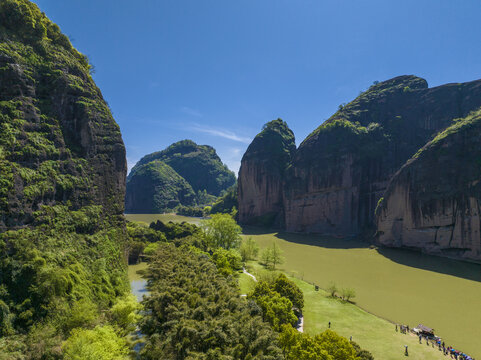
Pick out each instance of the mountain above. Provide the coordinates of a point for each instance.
(59, 142)
(433, 202)
(62, 185)
(156, 187)
(337, 176)
(261, 174)
(189, 174)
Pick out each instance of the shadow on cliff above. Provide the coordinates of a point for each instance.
(308, 239)
(458, 268)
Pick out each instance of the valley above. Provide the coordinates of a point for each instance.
(399, 285)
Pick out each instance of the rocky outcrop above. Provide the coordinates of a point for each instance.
(190, 174)
(155, 188)
(342, 169)
(433, 202)
(58, 141)
(261, 175)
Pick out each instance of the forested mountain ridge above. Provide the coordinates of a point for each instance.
(62, 186)
(341, 170)
(199, 173)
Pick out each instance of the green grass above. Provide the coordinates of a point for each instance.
(402, 286)
(148, 218)
(369, 331)
(246, 284)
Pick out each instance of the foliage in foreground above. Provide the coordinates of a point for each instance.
(61, 275)
(325, 346)
(221, 230)
(281, 301)
(196, 313)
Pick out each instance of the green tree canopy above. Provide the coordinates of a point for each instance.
(221, 230)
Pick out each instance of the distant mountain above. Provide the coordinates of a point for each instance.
(183, 174)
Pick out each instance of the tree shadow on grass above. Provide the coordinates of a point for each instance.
(309, 239)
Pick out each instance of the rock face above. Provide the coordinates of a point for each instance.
(183, 174)
(261, 175)
(155, 187)
(434, 201)
(58, 141)
(334, 181)
(342, 169)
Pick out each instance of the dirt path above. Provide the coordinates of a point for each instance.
(252, 276)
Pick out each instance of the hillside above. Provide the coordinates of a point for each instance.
(199, 175)
(155, 188)
(62, 175)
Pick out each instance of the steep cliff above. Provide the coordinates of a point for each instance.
(155, 187)
(261, 175)
(198, 168)
(62, 185)
(433, 202)
(342, 169)
(59, 142)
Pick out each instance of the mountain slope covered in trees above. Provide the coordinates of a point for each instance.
(190, 174)
(62, 184)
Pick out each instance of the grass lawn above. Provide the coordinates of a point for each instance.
(369, 331)
(246, 283)
(402, 286)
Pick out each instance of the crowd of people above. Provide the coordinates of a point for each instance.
(436, 341)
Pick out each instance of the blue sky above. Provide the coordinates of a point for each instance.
(215, 71)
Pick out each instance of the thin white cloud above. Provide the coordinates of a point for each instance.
(226, 134)
(189, 111)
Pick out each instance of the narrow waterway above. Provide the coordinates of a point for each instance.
(138, 285)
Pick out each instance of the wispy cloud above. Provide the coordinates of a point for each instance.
(226, 134)
(189, 111)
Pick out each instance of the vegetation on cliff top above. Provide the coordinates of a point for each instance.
(274, 146)
(155, 187)
(199, 165)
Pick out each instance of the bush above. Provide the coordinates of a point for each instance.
(348, 294)
(101, 343)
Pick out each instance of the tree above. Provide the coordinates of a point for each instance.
(221, 230)
(348, 293)
(332, 289)
(227, 261)
(249, 249)
(101, 343)
(272, 256)
(289, 289)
